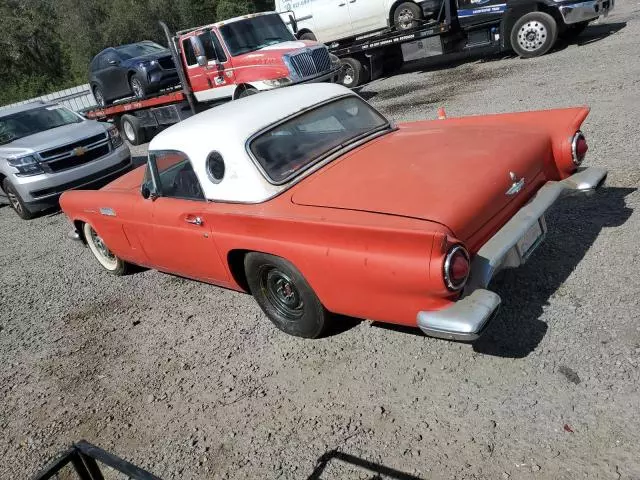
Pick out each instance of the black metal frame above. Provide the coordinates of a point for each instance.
(84, 457)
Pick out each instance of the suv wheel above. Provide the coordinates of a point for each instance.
(99, 96)
(16, 201)
(137, 86)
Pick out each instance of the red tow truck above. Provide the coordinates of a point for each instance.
(221, 62)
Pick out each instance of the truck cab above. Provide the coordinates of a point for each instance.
(248, 54)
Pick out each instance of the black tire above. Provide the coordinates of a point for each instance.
(534, 34)
(285, 296)
(354, 73)
(109, 261)
(16, 202)
(99, 96)
(407, 15)
(308, 36)
(572, 31)
(138, 87)
(132, 130)
(247, 92)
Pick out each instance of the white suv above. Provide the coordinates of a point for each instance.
(330, 20)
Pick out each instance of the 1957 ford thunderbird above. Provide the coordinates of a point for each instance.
(314, 203)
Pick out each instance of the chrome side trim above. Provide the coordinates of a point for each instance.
(464, 320)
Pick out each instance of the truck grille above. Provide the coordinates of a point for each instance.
(166, 63)
(311, 62)
(75, 154)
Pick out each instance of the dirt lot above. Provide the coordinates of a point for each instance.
(191, 381)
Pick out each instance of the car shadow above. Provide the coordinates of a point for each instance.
(340, 324)
(574, 225)
(375, 470)
(593, 33)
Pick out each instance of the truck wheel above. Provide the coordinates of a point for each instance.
(572, 31)
(534, 34)
(16, 202)
(105, 257)
(285, 296)
(137, 87)
(308, 36)
(246, 92)
(407, 15)
(354, 73)
(132, 130)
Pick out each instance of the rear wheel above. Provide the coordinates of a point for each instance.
(285, 296)
(99, 96)
(354, 73)
(407, 15)
(16, 202)
(137, 87)
(133, 131)
(105, 257)
(534, 34)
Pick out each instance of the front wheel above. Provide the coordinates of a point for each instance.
(16, 202)
(285, 296)
(354, 73)
(534, 34)
(138, 87)
(106, 258)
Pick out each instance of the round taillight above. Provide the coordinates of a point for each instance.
(456, 268)
(579, 148)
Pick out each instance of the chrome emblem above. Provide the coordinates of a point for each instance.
(109, 212)
(79, 151)
(517, 185)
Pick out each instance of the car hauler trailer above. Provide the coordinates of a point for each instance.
(528, 27)
(216, 64)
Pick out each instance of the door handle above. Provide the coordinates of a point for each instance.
(342, 4)
(194, 220)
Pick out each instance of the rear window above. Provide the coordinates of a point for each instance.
(295, 145)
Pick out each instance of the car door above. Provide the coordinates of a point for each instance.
(112, 76)
(178, 238)
(331, 19)
(216, 79)
(367, 15)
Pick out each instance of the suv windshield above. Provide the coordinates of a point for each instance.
(134, 50)
(295, 145)
(255, 33)
(30, 122)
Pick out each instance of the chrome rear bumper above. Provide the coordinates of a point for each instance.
(466, 318)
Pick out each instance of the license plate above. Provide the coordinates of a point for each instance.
(531, 239)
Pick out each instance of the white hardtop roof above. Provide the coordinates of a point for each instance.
(227, 128)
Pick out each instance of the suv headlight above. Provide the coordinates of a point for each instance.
(26, 166)
(114, 136)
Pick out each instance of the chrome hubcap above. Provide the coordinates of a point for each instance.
(101, 247)
(406, 18)
(347, 75)
(15, 203)
(532, 35)
(99, 98)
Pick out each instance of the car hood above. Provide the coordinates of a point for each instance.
(53, 138)
(149, 57)
(457, 176)
(127, 182)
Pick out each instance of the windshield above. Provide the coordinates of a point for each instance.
(139, 50)
(293, 146)
(255, 33)
(30, 122)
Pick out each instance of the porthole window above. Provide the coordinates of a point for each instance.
(215, 167)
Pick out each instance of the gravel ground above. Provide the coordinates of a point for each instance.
(192, 381)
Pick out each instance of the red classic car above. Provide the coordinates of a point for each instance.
(313, 202)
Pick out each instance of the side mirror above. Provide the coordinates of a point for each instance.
(202, 60)
(147, 193)
(198, 50)
(294, 23)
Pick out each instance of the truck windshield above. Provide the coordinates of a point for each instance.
(255, 33)
(291, 147)
(30, 122)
